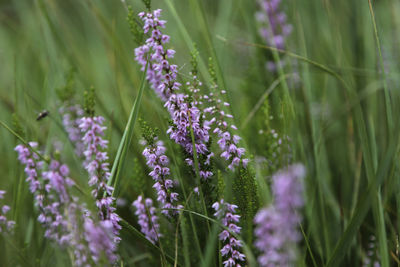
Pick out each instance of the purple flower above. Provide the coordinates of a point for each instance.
(162, 76)
(100, 238)
(60, 213)
(230, 251)
(227, 142)
(277, 225)
(158, 162)
(147, 218)
(71, 115)
(97, 166)
(157, 55)
(6, 226)
(275, 28)
(371, 257)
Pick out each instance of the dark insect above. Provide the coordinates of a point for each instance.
(42, 115)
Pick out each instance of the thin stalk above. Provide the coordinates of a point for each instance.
(196, 164)
(126, 138)
(143, 239)
(388, 104)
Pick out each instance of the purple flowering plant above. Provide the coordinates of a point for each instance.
(177, 179)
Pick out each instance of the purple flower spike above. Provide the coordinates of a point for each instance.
(61, 215)
(6, 226)
(227, 142)
(97, 166)
(162, 76)
(70, 118)
(158, 162)
(277, 225)
(230, 252)
(148, 219)
(100, 239)
(275, 28)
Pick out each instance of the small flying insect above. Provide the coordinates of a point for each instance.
(42, 115)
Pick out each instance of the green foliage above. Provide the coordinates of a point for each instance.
(344, 127)
(149, 134)
(135, 28)
(139, 178)
(212, 71)
(89, 102)
(194, 60)
(147, 3)
(67, 92)
(220, 185)
(246, 196)
(17, 127)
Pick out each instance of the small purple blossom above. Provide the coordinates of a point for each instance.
(275, 28)
(98, 168)
(71, 115)
(277, 225)
(158, 162)
(230, 251)
(371, 257)
(6, 225)
(147, 218)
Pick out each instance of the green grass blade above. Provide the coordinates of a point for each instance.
(132, 230)
(362, 209)
(126, 138)
(388, 105)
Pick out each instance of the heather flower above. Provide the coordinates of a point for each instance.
(372, 258)
(6, 225)
(60, 213)
(98, 168)
(154, 51)
(275, 28)
(56, 182)
(148, 219)
(219, 122)
(101, 239)
(277, 225)
(230, 251)
(71, 115)
(46, 191)
(162, 76)
(158, 162)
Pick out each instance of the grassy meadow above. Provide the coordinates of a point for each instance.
(332, 103)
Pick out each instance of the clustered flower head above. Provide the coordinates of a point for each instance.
(5, 224)
(60, 213)
(275, 28)
(158, 162)
(163, 77)
(71, 115)
(148, 220)
(98, 168)
(230, 251)
(277, 225)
